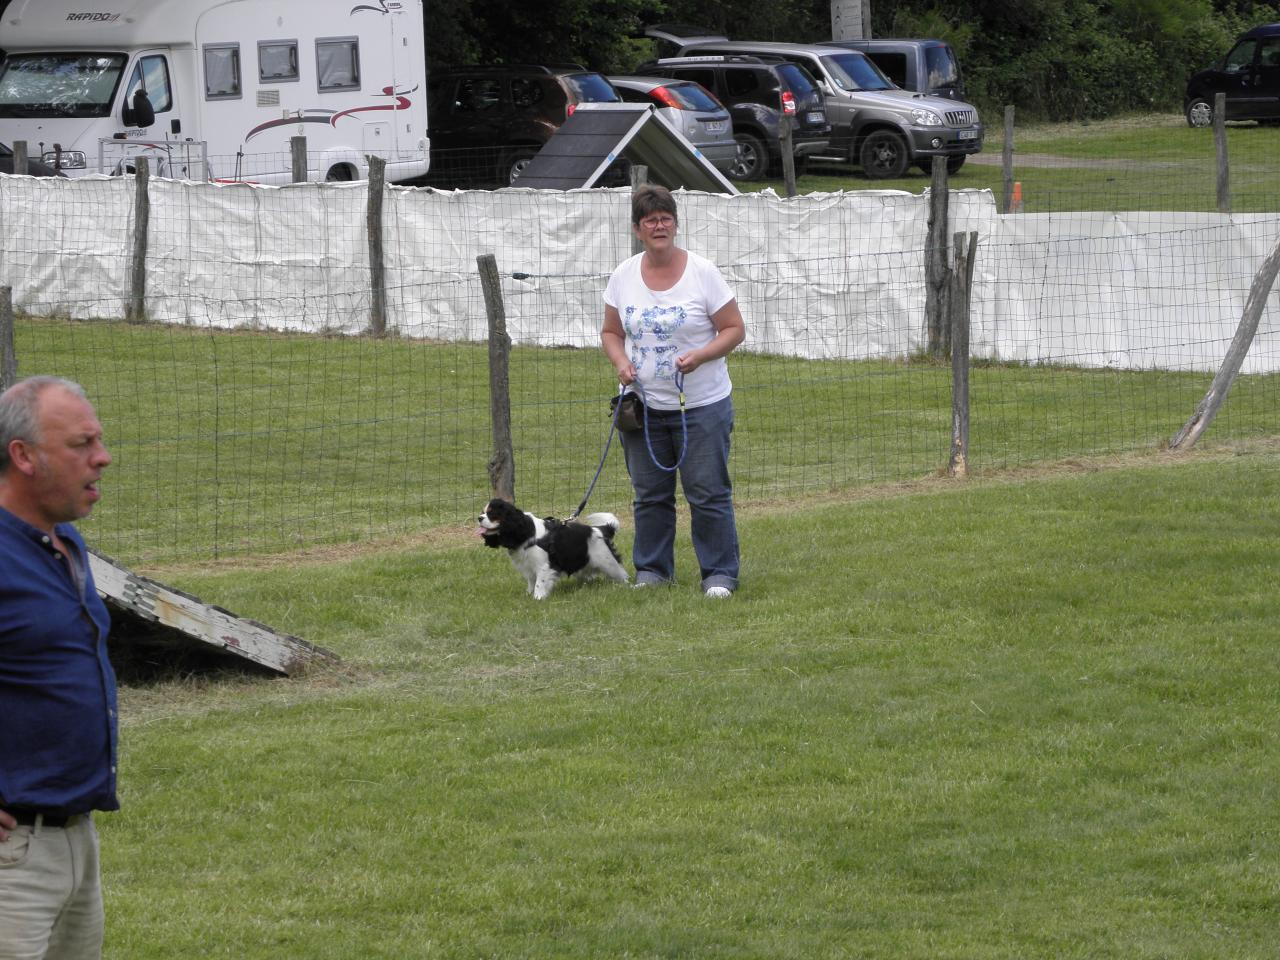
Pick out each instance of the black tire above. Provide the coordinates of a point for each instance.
(955, 163)
(752, 162)
(340, 173)
(884, 155)
(1200, 113)
(514, 165)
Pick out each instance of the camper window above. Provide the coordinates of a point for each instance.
(151, 75)
(338, 64)
(277, 61)
(222, 71)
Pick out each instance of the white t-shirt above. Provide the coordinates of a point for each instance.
(663, 324)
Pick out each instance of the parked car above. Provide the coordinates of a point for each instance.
(689, 108)
(1249, 75)
(875, 124)
(925, 66)
(761, 95)
(487, 123)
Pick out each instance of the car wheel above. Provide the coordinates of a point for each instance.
(515, 163)
(884, 155)
(955, 163)
(753, 159)
(1200, 113)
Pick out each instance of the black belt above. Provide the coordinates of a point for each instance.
(26, 817)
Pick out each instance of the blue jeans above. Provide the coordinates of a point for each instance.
(704, 477)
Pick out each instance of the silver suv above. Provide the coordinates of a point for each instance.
(874, 124)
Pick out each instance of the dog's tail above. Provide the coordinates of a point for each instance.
(606, 523)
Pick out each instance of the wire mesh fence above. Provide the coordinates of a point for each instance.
(253, 412)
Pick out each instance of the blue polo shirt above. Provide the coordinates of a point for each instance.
(57, 688)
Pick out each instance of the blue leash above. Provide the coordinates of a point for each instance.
(613, 428)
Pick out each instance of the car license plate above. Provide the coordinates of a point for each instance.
(816, 116)
(715, 126)
(968, 134)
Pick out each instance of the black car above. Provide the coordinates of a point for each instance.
(761, 93)
(1250, 77)
(486, 123)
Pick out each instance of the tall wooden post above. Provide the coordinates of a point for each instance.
(1007, 161)
(935, 263)
(502, 464)
(377, 263)
(19, 157)
(1220, 147)
(137, 312)
(960, 301)
(8, 351)
(298, 155)
(639, 175)
(787, 147)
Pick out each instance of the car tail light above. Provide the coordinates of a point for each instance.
(665, 97)
(788, 103)
(568, 111)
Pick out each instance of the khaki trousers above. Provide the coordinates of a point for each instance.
(50, 895)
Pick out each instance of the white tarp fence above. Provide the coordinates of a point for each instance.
(821, 276)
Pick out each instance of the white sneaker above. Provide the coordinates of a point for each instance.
(718, 593)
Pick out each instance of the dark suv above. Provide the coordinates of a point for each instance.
(486, 123)
(761, 93)
(1250, 77)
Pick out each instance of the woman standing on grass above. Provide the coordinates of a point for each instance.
(669, 322)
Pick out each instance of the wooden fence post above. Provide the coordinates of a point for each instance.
(1220, 147)
(502, 465)
(19, 157)
(137, 312)
(1006, 205)
(8, 351)
(639, 175)
(935, 265)
(298, 155)
(1256, 302)
(377, 263)
(961, 299)
(787, 147)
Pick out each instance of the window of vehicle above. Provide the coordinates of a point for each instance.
(705, 77)
(1240, 57)
(894, 66)
(739, 83)
(1269, 52)
(942, 67)
(799, 81)
(222, 71)
(477, 95)
(59, 84)
(591, 88)
(277, 61)
(526, 93)
(337, 64)
(152, 76)
(853, 71)
(690, 96)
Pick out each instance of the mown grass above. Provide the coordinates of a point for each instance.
(1016, 718)
(241, 442)
(1144, 163)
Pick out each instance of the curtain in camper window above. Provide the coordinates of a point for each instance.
(222, 71)
(277, 61)
(338, 64)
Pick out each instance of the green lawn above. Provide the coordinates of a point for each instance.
(999, 719)
(1144, 163)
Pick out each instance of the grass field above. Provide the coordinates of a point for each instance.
(1149, 162)
(1030, 716)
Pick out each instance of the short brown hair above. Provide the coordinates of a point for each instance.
(650, 198)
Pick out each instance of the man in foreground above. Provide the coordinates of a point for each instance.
(57, 688)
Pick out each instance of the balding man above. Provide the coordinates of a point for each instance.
(57, 688)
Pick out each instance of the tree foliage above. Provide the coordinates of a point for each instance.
(1053, 59)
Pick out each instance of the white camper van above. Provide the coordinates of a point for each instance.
(217, 88)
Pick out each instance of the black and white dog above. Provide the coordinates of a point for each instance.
(547, 550)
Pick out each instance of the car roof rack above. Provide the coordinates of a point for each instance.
(710, 58)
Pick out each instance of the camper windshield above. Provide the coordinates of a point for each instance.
(854, 71)
(59, 84)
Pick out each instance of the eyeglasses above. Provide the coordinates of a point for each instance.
(653, 223)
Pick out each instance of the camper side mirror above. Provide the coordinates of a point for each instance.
(141, 113)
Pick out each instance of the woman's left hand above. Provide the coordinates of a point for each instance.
(686, 363)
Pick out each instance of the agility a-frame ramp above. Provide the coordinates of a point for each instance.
(147, 611)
